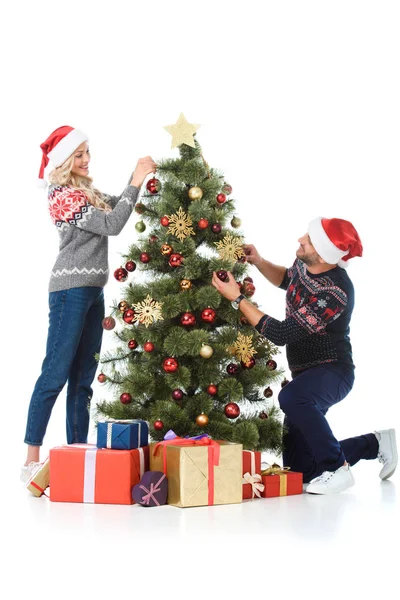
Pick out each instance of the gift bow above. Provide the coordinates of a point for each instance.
(275, 469)
(254, 481)
(154, 488)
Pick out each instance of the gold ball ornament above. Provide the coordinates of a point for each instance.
(195, 193)
(202, 420)
(185, 284)
(166, 249)
(206, 351)
(236, 222)
(123, 306)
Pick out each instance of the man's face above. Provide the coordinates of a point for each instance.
(307, 253)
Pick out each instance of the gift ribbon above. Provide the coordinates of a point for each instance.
(213, 456)
(255, 481)
(112, 422)
(282, 473)
(141, 461)
(154, 488)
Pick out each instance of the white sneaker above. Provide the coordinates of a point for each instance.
(387, 453)
(332, 482)
(28, 471)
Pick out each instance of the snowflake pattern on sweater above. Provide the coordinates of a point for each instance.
(318, 312)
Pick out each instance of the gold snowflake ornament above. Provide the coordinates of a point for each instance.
(230, 248)
(180, 225)
(244, 347)
(148, 311)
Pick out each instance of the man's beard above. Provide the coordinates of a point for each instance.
(309, 259)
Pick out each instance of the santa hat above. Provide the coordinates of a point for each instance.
(335, 240)
(58, 147)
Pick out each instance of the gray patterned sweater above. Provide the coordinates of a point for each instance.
(84, 230)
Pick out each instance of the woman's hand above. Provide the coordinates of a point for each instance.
(144, 167)
(230, 289)
(252, 255)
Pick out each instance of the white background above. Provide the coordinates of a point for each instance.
(299, 107)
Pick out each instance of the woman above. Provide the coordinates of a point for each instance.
(84, 217)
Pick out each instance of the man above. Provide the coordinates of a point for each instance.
(319, 304)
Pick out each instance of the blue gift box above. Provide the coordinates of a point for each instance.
(123, 435)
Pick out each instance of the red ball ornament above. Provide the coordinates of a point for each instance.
(177, 394)
(130, 266)
(227, 189)
(242, 259)
(108, 323)
(271, 364)
(221, 198)
(145, 257)
(212, 390)
(232, 410)
(164, 221)
(153, 238)
(170, 365)
(148, 347)
(268, 392)
(158, 425)
(175, 260)
(125, 398)
(250, 363)
(263, 415)
(140, 208)
(216, 228)
(203, 224)
(222, 275)
(188, 319)
(101, 377)
(153, 185)
(232, 369)
(128, 315)
(132, 344)
(284, 382)
(121, 274)
(249, 279)
(208, 315)
(249, 289)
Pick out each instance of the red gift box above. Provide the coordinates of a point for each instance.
(84, 473)
(252, 485)
(281, 482)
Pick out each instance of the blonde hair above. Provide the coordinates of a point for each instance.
(63, 175)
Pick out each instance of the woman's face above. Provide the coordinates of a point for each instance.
(81, 160)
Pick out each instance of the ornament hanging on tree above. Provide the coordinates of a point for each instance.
(158, 425)
(125, 398)
(129, 316)
(284, 382)
(180, 225)
(132, 344)
(148, 346)
(202, 420)
(232, 410)
(177, 395)
(185, 284)
(148, 311)
(236, 222)
(175, 260)
(195, 193)
(152, 239)
(203, 224)
(227, 189)
(249, 288)
(244, 350)
(221, 198)
(268, 392)
(153, 185)
(212, 390)
(140, 208)
(123, 305)
(206, 351)
(208, 315)
(263, 415)
(230, 248)
(188, 319)
(222, 275)
(249, 279)
(249, 364)
(232, 369)
(140, 226)
(271, 364)
(121, 274)
(130, 266)
(170, 365)
(108, 323)
(166, 249)
(101, 377)
(145, 257)
(164, 221)
(216, 228)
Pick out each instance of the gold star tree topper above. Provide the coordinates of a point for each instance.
(182, 132)
(148, 311)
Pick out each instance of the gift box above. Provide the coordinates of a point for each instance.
(252, 485)
(281, 482)
(122, 435)
(85, 473)
(40, 479)
(152, 489)
(201, 472)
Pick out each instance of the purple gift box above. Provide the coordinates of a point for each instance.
(152, 489)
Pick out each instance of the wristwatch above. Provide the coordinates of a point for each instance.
(235, 303)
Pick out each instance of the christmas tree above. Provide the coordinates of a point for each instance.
(186, 360)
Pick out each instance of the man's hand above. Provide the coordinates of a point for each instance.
(252, 255)
(229, 289)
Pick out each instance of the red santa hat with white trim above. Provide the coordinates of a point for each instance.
(335, 240)
(59, 146)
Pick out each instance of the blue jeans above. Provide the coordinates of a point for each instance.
(74, 337)
(309, 444)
